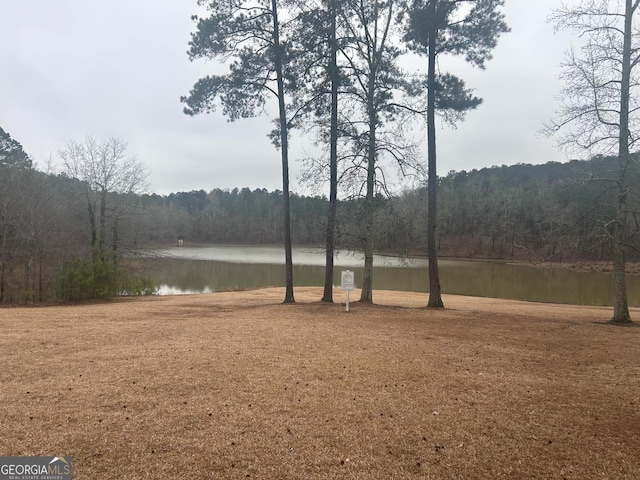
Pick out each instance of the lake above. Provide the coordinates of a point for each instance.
(207, 269)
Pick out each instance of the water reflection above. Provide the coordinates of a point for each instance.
(274, 255)
(525, 282)
(211, 269)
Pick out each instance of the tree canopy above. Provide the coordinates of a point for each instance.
(12, 153)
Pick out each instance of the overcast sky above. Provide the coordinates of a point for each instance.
(118, 68)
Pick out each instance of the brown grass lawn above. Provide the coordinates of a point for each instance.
(237, 385)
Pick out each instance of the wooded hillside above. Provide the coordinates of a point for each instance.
(555, 211)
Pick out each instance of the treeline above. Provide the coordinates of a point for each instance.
(61, 237)
(46, 250)
(40, 228)
(550, 212)
(236, 216)
(555, 211)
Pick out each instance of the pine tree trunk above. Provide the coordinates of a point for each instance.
(333, 161)
(435, 299)
(284, 141)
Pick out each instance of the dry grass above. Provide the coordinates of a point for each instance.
(236, 385)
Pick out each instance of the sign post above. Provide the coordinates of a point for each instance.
(347, 284)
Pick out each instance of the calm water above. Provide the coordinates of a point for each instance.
(219, 268)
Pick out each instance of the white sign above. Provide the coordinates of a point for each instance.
(347, 280)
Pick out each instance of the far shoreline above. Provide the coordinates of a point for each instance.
(584, 265)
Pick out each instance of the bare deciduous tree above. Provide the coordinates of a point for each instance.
(599, 106)
(103, 167)
(370, 58)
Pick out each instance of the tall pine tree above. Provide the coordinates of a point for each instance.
(468, 28)
(249, 35)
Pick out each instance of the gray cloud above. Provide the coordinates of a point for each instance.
(72, 68)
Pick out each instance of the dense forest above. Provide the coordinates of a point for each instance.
(54, 228)
(549, 212)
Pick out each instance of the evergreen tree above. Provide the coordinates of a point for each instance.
(468, 28)
(253, 39)
(11, 152)
(318, 33)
